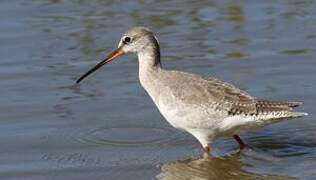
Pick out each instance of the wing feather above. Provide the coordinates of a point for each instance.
(209, 91)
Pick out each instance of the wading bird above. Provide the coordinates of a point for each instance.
(205, 107)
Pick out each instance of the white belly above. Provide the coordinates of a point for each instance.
(204, 119)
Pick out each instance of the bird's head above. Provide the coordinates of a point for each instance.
(136, 40)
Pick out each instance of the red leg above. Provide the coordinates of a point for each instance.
(242, 145)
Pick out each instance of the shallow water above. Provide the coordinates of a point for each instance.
(108, 127)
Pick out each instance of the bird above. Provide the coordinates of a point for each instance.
(205, 107)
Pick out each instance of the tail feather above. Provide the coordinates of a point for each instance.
(279, 103)
(279, 109)
(295, 114)
(294, 104)
(267, 105)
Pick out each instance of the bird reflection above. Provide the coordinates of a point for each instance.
(209, 168)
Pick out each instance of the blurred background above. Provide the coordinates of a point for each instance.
(107, 127)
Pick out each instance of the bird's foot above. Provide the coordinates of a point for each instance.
(243, 148)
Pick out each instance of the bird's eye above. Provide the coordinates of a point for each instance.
(127, 40)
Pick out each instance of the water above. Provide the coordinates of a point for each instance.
(108, 127)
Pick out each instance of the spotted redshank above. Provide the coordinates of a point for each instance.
(205, 107)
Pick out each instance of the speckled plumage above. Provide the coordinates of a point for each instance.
(209, 108)
(203, 106)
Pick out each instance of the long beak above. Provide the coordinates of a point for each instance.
(117, 53)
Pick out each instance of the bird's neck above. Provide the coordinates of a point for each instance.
(149, 60)
(149, 68)
(149, 56)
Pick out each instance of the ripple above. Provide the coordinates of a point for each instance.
(296, 51)
(236, 54)
(129, 136)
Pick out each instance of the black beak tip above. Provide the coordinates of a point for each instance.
(110, 58)
(78, 80)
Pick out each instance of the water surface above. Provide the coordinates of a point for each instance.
(109, 128)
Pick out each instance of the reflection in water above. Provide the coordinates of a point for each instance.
(209, 168)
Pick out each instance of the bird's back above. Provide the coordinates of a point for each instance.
(223, 97)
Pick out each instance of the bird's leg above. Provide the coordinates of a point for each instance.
(206, 152)
(207, 149)
(242, 145)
